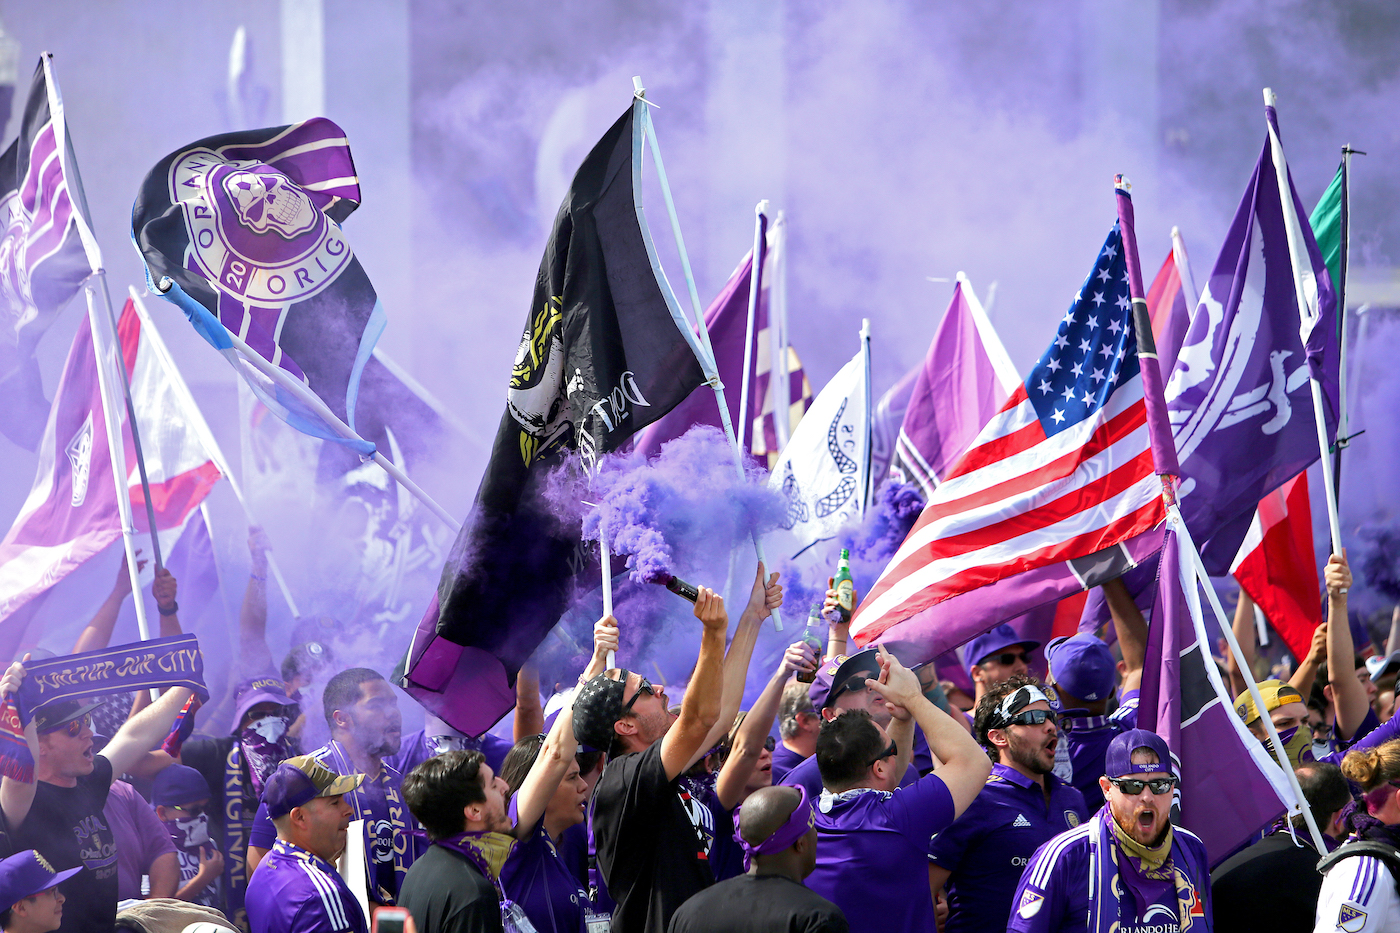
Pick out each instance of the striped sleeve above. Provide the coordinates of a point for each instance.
(326, 909)
(1043, 897)
(1358, 896)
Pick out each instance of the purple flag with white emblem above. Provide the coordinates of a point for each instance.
(1230, 787)
(1238, 398)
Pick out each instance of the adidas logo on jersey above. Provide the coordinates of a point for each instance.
(1021, 820)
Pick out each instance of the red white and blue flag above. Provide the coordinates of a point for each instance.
(1058, 492)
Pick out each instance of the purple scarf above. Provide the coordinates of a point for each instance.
(488, 851)
(1143, 883)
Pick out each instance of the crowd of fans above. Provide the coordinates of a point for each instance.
(857, 792)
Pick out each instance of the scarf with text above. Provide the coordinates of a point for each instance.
(1145, 873)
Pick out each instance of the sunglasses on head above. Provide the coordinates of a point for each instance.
(1032, 717)
(887, 753)
(1132, 786)
(644, 687)
(1007, 658)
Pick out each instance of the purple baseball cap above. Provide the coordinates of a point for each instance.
(835, 674)
(1082, 666)
(250, 693)
(998, 639)
(178, 784)
(1118, 761)
(26, 874)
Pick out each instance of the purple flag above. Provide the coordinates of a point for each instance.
(965, 378)
(1238, 399)
(885, 423)
(1230, 787)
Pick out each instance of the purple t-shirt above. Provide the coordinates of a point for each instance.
(1086, 739)
(536, 878)
(872, 854)
(1054, 891)
(807, 774)
(987, 847)
(294, 891)
(784, 760)
(141, 837)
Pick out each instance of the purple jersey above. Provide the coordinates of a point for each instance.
(1085, 739)
(872, 854)
(806, 774)
(536, 878)
(1054, 895)
(784, 760)
(294, 891)
(988, 847)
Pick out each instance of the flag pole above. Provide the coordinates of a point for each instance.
(760, 229)
(1343, 273)
(704, 353)
(869, 416)
(195, 418)
(1165, 462)
(313, 401)
(779, 380)
(1183, 270)
(1305, 291)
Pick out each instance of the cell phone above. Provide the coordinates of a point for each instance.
(390, 920)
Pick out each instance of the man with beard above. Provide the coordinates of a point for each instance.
(981, 856)
(1127, 869)
(235, 768)
(366, 728)
(181, 797)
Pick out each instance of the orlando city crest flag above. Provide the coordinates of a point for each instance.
(246, 229)
(600, 358)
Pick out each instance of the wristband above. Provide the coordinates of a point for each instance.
(253, 576)
(174, 608)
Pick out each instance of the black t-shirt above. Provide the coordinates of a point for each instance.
(652, 842)
(447, 894)
(66, 826)
(209, 756)
(758, 904)
(1286, 872)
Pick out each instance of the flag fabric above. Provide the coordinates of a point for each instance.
(884, 430)
(965, 379)
(1238, 399)
(601, 357)
(1056, 494)
(821, 471)
(1277, 566)
(42, 258)
(247, 227)
(1166, 304)
(1230, 787)
(776, 356)
(1326, 223)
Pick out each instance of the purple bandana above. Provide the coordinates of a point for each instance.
(803, 818)
(265, 746)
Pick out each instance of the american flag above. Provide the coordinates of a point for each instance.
(1061, 477)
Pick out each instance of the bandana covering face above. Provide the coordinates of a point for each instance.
(190, 834)
(1297, 743)
(442, 744)
(264, 747)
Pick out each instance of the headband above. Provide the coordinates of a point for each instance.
(1014, 702)
(803, 818)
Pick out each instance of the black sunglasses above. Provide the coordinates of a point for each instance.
(1132, 786)
(1006, 658)
(644, 687)
(770, 743)
(892, 750)
(1032, 717)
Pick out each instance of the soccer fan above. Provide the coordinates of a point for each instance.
(996, 657)
(873, 836)
(776, 827)
(181, 797)
(798, 725)
(980, 857)
(366, 728)
(652, 841)
(1359, 893)
(59, 814)
(29, 891)
(1081, 670)
(296, 887)
(1127, 868)
(1284, 863)
(143, 846)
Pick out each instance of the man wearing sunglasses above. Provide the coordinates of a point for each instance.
(872, 834)
(1127, 868)
(981, 856)
(996, 657)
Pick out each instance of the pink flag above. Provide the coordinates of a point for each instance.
(965, 378)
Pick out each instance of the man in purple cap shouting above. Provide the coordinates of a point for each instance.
(296, 889)
(32, 902)
(872, 853)
(776, 828)
(980, 857)
(1127, 869)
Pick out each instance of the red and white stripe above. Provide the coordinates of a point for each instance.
(1018, 500)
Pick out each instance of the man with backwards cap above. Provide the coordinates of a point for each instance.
(872, 857)
(32, 902)
(1126, 870)
(841, 685)
(980, 857)
(296, 888)
(776, 828)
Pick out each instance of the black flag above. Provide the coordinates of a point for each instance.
(601, 358)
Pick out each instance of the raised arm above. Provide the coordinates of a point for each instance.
(529, 713)
(545, 774)
(1245, 634)
(98, 633)
(838, 633)
(252, 617)
(605, 635)
(1304, 677)
(16, 797)
(763, 599)
(965, 765)
(1131, 629)
(145, 731)
(1348, 696)
(685, 740)
(754, 730)
(165, 588)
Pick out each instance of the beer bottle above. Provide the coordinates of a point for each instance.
(845, 587)
(814, 636)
